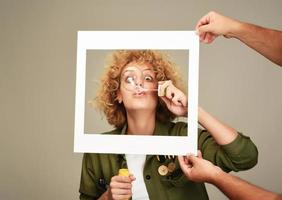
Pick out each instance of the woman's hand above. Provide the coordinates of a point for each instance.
(175, 100)
(120, 187)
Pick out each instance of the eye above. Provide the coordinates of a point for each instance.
(148, 78)
(129, 79)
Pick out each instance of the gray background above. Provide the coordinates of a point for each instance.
(37, 85)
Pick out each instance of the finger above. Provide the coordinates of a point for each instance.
(181, 161)
(166, 100)
(176, 101)
(200, 154)
(169, 92)
(120, 191)
(202, 37)
(183, 100)
(180, 99)
(185, 160)
(192, 159)
(119, 185)
(204, 20)
(162, 87)
(173, 92)
(183, 164)
(208, 38)
(186, 168)
(205, 29)
(121, 196)
(132, 178)
(122, 179)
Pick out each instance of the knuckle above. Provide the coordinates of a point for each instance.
(112, 185)
(212, 12)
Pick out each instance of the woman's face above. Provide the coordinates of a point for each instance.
(138, 87)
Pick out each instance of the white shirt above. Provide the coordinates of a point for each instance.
(135, 164)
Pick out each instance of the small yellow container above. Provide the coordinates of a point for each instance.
(123, 172)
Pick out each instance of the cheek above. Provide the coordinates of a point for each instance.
(150, 85)
(124, 94)
(154, 98)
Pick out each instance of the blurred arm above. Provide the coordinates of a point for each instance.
(267, 42)
(200, 170)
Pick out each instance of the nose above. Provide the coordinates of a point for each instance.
(138, 86)
(139, 82)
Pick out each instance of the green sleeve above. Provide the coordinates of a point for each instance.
(88, 188)
(240, 154)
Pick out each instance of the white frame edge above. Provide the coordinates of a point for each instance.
(119, 144)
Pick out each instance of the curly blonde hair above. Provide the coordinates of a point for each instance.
(106, 97)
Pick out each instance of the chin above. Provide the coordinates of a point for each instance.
(141, 106)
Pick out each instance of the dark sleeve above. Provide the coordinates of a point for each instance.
(88, 184)
(240, 154)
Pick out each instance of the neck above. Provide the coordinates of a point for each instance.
(141, 122)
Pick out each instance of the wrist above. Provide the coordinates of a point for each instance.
(236, 29)
(106, 195)
(200, 115)
(216, 175)
(185, 114)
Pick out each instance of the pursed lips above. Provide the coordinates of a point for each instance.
(139, 94)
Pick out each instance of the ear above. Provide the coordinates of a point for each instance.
(119, 97)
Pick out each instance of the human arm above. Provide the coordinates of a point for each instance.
(200, 170)
(177, 103)
(220, 144)
(222, 133)
(267, 42)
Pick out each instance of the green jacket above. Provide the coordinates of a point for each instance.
(98, 169)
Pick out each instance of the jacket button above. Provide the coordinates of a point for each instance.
(148, 177)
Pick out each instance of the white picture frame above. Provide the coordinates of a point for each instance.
(130, 144)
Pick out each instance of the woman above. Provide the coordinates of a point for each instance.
(130, 102)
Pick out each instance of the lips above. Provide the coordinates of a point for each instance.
(139, 93)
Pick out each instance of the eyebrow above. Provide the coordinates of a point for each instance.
(148, 69)
(133, 69)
